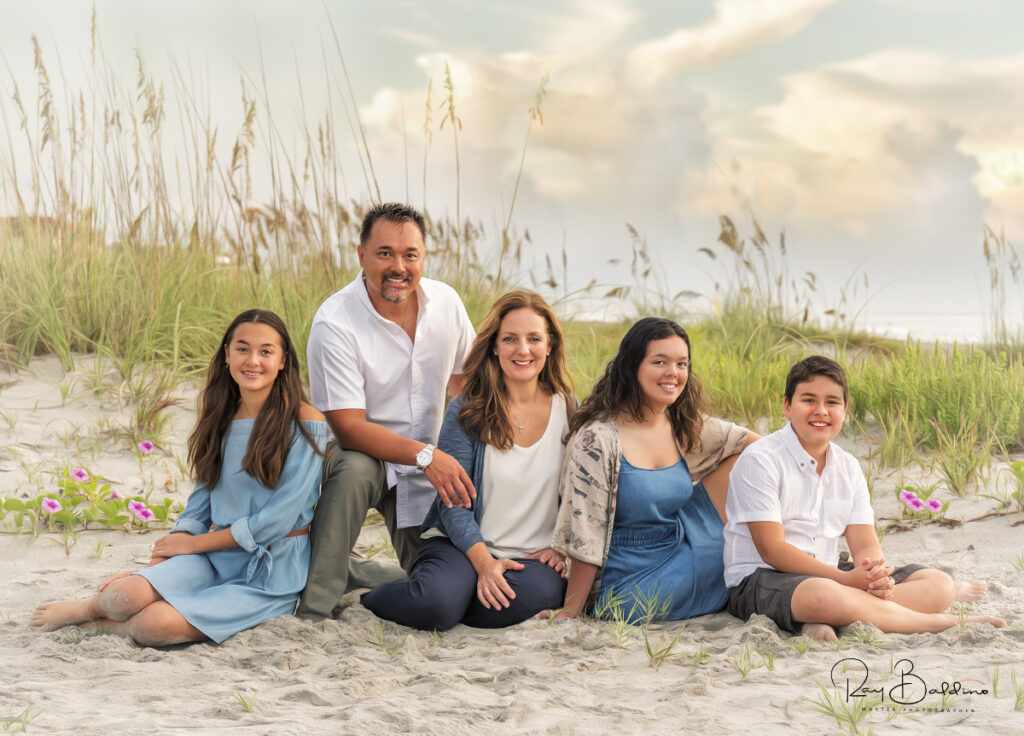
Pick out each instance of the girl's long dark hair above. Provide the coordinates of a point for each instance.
(278, 418)
(484, 412)
(618, 391)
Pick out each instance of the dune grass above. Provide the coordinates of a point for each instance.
(122, 245)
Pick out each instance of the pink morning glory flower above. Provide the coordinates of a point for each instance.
(51, 505)
(79, 474)
(145, 447)
(114, 496)
(905, 496)
(916, 504)
(140, 510)
(934, 505)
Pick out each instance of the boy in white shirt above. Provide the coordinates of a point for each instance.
(791, 496)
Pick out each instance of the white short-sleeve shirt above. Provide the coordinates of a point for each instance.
(359, 359)
(775, 479)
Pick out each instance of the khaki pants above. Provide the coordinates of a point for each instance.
(353, 483)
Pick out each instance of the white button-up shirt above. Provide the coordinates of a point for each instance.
(776, 479)
(360, 360)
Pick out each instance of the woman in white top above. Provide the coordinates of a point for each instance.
(491, 565)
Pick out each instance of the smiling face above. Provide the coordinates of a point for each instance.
(816, 412)
(522, 345)
(255, 357)
(392, 260)
(663, 372)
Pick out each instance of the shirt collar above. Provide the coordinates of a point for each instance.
(800, 455)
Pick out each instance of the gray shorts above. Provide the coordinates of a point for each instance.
(770, 593)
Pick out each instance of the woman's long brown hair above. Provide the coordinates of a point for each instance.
(277, 420)
(484, 412)
(618, 391)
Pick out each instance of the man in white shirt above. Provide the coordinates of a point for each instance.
(791, 496)
(381, 353)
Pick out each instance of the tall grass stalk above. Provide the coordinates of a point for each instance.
(455, 123)
(535, 116)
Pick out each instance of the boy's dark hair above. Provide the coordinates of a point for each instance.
(816, 365)
(391, 212)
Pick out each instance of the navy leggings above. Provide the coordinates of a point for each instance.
(441, 592)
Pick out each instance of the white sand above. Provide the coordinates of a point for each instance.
(333, 677)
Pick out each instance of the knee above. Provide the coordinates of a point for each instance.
(345, 470)
(543, 585)
(941, 587)
(819, 600)
(439, 613)
(421, 607)
(161, 625)
(125, 597)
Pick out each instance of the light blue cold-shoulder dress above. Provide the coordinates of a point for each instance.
(226, 591)
(665, 558)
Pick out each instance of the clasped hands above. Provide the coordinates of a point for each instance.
(875, 577)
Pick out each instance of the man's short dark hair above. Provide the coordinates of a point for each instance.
(816, 365)
(395, 212)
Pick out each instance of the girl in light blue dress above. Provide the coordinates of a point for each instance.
(239, 552)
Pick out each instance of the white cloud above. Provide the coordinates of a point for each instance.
(737, 26)
(890, 131)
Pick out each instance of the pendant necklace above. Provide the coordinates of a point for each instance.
(519, 422)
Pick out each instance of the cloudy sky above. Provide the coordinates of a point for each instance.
(881, 135)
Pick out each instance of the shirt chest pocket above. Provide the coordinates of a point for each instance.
(835, 516)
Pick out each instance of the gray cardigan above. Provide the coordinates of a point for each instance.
(460, 525)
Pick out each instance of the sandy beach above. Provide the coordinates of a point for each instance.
(358, 674)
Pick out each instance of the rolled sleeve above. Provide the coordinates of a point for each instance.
(195, 518)
(191, 526)
(243, 535)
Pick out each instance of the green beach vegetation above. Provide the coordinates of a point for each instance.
(120, 245)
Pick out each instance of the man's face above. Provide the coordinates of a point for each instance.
(392, 259)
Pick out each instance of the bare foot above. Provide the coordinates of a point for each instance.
(969, 591)
(997, 622)
(52, 616)
(819, 632)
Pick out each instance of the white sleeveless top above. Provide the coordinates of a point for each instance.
(520, 490)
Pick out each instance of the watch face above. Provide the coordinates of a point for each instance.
(424, 456)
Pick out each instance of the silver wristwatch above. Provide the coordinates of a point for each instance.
(424, 456)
